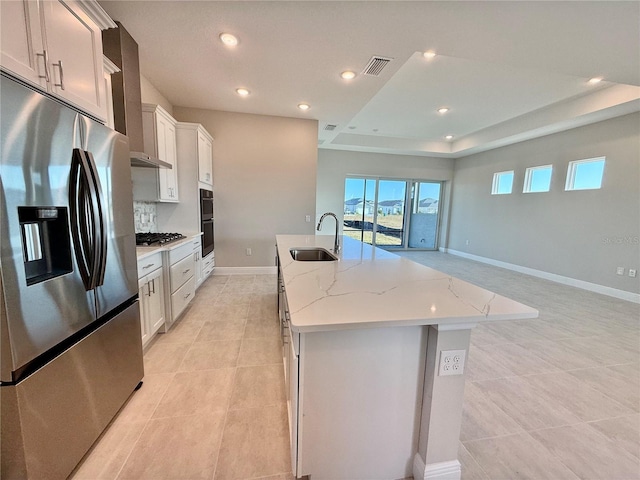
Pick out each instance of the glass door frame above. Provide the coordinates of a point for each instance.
(410, 184)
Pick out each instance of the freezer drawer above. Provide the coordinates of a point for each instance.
(95, 377)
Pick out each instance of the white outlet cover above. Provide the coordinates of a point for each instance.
(632, 272)
(452, 362)
(620, 271)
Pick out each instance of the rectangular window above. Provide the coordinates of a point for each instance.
(502, 183)
(585, 174)
(537, 179)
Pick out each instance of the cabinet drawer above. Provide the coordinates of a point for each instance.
(180, 252)
(149, 264)
(207, 262)
(182, 271)
(181, 298)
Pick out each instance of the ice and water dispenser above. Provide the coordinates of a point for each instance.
(46, 246)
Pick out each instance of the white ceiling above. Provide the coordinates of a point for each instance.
(508, 71)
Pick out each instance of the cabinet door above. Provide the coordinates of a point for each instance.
(74, 43)
(292, 402)
(143, 293)
(21, 41)
(155, 301)
(205, 159)
(168, 178)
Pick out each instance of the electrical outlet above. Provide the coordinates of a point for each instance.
(466, 242)
(632, 272)
(452, 362)
(248, 251)
(620, 271)
(307, 218)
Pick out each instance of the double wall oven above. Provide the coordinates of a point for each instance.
(206, 221)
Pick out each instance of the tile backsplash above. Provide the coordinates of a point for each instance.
(144, 216)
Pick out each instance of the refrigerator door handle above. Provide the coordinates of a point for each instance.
(101, 234)
(83, 205)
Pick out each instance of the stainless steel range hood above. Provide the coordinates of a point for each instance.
(122, 49)
(141, 159)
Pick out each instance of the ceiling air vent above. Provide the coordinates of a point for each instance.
(376, 65)
(330, 127)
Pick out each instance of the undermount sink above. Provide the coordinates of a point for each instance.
(312, 254)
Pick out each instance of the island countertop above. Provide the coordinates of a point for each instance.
(369, 287)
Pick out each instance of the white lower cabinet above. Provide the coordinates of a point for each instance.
(208, 263)
(197, 258)
(353, 399)
(291, 361)
(151, 297)
(182, 279)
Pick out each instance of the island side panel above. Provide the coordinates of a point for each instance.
(361, 395)
(437, 457)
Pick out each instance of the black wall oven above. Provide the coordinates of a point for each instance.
(206, 221)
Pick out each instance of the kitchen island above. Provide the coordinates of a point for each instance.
(374, 353)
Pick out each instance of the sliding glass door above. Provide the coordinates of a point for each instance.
(359, 203)
(390, 209)
(392, 213)
(425, 206)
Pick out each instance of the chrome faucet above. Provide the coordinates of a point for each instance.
(336, 245)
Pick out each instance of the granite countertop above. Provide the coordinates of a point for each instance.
(369, 287)
(143, 252)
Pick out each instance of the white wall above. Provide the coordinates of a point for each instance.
(150, 94)
(264, 181)
(582, 235)
(335, 165)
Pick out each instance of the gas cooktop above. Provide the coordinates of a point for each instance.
(151, 239)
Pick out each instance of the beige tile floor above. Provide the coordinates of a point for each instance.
(557, 397)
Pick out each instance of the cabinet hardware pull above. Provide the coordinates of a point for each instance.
(186, 271)
(59, 65)
(46, 65)
(147, 266)
(187, 295)
(148, 289)
(153, 282)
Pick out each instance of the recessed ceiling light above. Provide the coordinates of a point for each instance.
(348, 75)
(352, 127)
(303, 106)
(243, 92)
(448, 137)
(228, 39)
(595, 80)
(375, 129)
(443, 110)
(429, 54)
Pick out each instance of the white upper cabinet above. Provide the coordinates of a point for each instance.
(56, 45)
(205, 157)
(21, 41)
(195, 149)
(159, 131)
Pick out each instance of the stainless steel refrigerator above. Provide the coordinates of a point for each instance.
(70, 342)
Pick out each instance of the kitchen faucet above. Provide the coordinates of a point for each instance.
(336, 245)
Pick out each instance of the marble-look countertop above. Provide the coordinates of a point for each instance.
(143, 252)
(369, 287)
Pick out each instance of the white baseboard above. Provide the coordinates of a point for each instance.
(592, 287)
(436, 471)
(245, 270)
